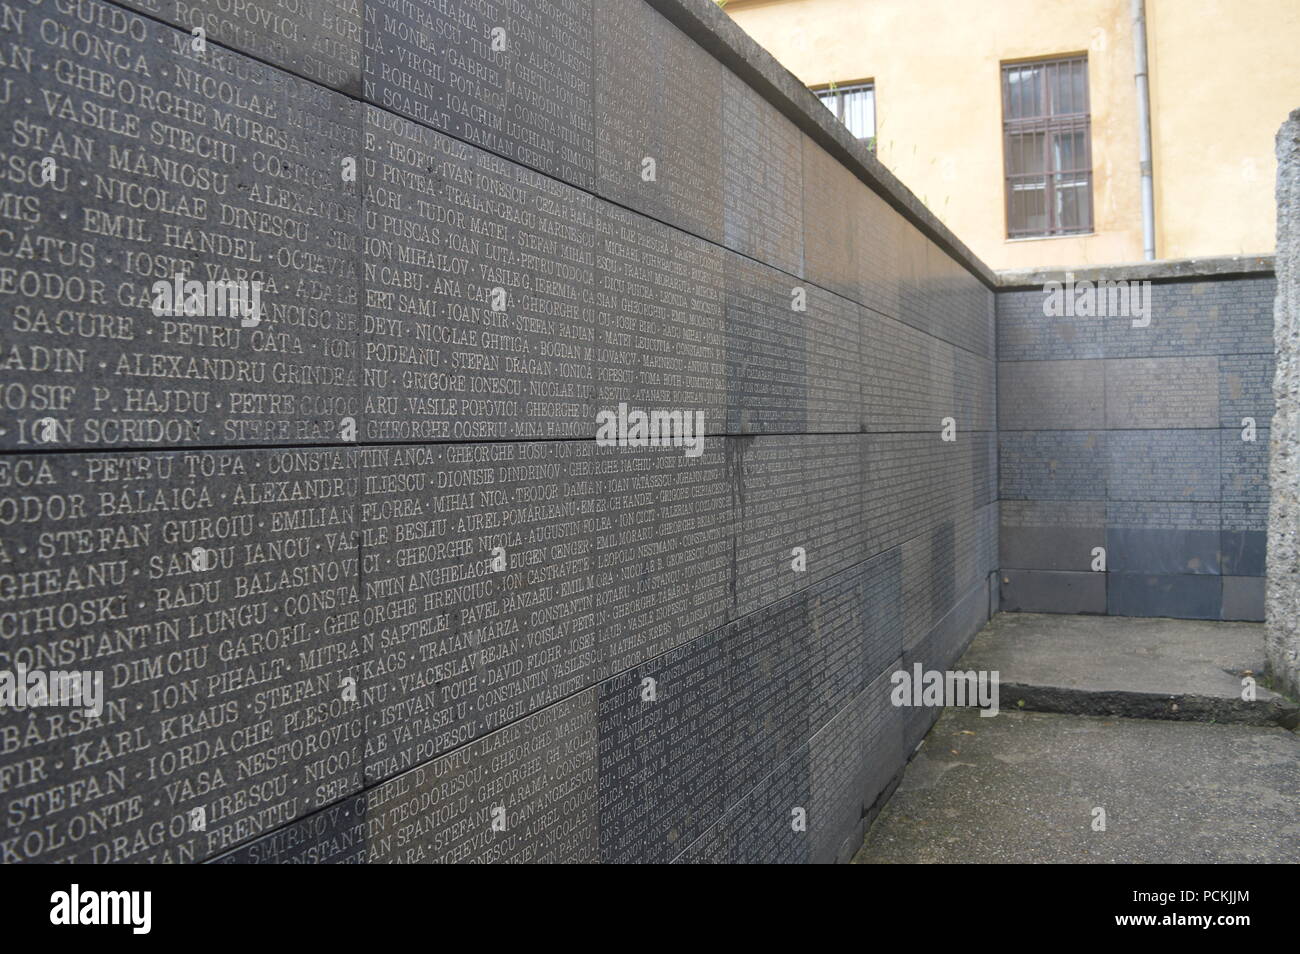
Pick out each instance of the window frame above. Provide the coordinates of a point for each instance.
(838, 89)
(1049, 125)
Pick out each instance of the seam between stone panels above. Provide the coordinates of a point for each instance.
(564, 182)
(339, 445)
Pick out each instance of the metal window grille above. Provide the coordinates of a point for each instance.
(1047, 145)
(853, 105)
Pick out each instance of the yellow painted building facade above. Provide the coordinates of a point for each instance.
(1224, 74)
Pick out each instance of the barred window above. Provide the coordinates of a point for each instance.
(854, 105)
(1047, 145)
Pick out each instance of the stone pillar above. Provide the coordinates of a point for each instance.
(1283, 593)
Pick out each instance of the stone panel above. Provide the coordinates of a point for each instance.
(664, 733)
(793, 494)
(1026, 333)
(480, 589)
(512, 78)
(1182, 596)
(768, 351)
(759, 828)
(772, 665)
(525, 793)
(1198, 318)
(1243, 598)
(320, 41)
(1244, 465)
(1053, 465)
(1162, 537)
(763, 181)
(833, 363)
(1151, 393)
(1052, 395)
(1244, 538)
(663, 102)
(1163, 465)
(659, 318)
(912, 481)
(1052, 591)
(1245, 389)
(479, 302)
(663, 545)
(1051, 534)
(244, 187)
(904, 387)
(217, 596)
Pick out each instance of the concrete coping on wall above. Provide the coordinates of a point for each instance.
(1164, 270)
(705, 23)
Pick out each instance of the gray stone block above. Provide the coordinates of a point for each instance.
(1051, 395)
(1243, 552)
(507, 78)
(1184, 596)
(1051, 534)
(476, 322)
(1245, 390)
(435, 602)
(1026, 333)
(1053, 465)
(664, 733)
(660, 319)
(1243, 598)
(767, 353)
(663, 542)
(217, 595)
(763, 178)
(829, 225)
(793, 493)
(1214, 317)
(1153, 393)
(463, 647)
(666, 106)
(1244, 465)
(1178, 465)
(1163, 537)
(1052, 591)
(902, 387)
(96, 357)
(321, 42)
(1162, 551)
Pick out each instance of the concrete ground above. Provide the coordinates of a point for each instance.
(1119, 665)
(1024, 786)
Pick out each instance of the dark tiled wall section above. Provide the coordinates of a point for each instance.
(1150, 441)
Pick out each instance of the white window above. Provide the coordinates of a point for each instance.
(854, 105)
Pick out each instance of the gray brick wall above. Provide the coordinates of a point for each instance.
(1131, 439)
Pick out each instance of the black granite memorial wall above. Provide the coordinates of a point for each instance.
(360, 580)
(1134, 450)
